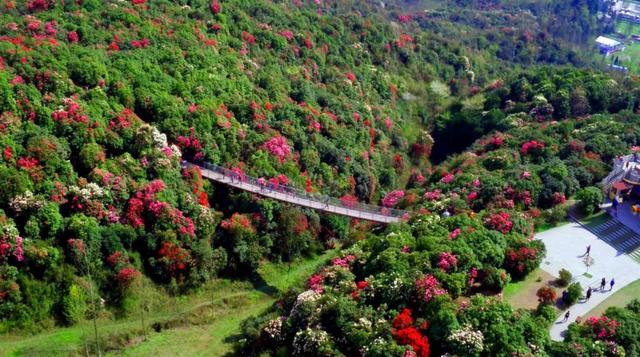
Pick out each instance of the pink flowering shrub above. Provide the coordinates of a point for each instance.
(454, 234)
(73, 37)
(343, 262)
(391, 199)
(559, 198)
(433, 195)
(71, 113)
(315, 283)
(500, 222)
(429, 287)
(190, 146)
(278, 147)
(287, 34)
(447, 261)
(447, 178)
(602, 328)
(216, 7)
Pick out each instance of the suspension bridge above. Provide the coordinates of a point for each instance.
(298, 197)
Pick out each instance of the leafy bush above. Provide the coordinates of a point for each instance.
(565, 277)
(574, 293)
(590, 198)
(546, 295)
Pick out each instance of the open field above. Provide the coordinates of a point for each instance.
(199, 323)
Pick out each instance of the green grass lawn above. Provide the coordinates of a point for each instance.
(627, 28)
(620, 298)
(522, 294)
(200, 322)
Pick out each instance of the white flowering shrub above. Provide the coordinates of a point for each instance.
(466, 341)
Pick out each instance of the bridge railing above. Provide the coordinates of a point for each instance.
(327, 201)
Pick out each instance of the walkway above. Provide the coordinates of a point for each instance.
(299, 197)
(565, 248)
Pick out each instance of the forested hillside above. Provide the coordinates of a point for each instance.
(470, 109)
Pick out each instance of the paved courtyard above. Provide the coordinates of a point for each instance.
(566, 246)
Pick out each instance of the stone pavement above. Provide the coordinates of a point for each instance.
(566, 246)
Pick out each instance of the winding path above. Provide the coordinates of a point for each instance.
(299, 197)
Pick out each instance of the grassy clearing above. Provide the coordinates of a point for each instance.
(627, 28)
(197, 324)
(522, 294)
(620, 298)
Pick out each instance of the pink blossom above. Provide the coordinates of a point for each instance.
(287, 34)
(278, 147)
(17, 79)
(193, 107)
(388, 123)
(447, 261)
(525, 175)
(447, 178)
(315, 283)
(454, 234)
(73, 37)
(429, 287)
(18, 251)
(391, 199)
(472, 196)
(432, 195)
(50, 28)
(406, 249)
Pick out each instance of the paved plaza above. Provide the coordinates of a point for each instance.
(566, 246)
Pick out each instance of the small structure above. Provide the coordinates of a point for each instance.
(625, 176)
(608, 45)
(618, 68)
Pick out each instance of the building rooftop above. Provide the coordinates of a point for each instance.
(605, 41)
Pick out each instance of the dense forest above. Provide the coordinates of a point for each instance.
(485, 111)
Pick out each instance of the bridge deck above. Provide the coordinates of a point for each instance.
(300, 198)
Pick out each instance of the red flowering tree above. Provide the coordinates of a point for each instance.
(523, 258)
(406, 334)
(174, 260)
(532, 147)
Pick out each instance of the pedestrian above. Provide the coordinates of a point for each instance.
(603, 282)
(611, 284)
(588, 250)
(614, 205)
(566, 316)
(589, 293)
(565, 296)
(326, 201)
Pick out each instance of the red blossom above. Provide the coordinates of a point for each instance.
(406, 334)
(126, 276)
(532, 147)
